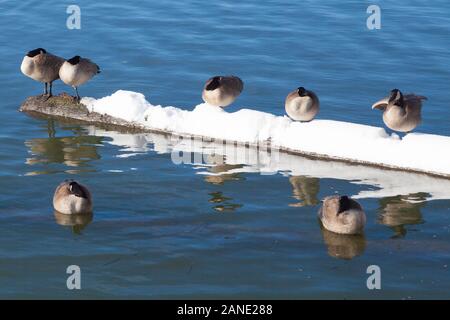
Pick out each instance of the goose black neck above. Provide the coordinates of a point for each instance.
(35, 52)
(75, 60)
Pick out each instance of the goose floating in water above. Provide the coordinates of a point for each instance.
(221, 91)
(341, 214)
(72, 198)
(77, 71)
(42, 66)
(401, 112)
(302, 105)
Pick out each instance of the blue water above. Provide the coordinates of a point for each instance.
(161, 230)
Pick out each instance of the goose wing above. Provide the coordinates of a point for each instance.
(414, 103)
(414, 98)
(233, 83)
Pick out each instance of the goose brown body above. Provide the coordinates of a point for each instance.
(341, 214)
(401, 113)
(77, 71)
(72, 197)
(222, 90)
(302, 105)
(41, 66)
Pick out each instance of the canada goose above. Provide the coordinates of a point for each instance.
(77, 71)
(72, 198)
(302, 105)
(401, 112)
(341, 214)
(222, 90)
(42, 66)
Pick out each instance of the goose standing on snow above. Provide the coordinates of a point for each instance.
(72, 198)
(77, 71)
(302, 105)
(341, 214)
(401, 112)
(42, 66)
(222, 90)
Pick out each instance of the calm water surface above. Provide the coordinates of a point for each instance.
(222, 226)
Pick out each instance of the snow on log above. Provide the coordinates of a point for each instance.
(325, 139)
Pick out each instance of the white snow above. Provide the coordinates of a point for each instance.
(333, 139)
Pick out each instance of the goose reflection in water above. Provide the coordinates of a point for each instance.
(306, 190)
(72, 151)
(219, 174)
(224, 203)
(401, 211)
(76, 222)
(343, 246)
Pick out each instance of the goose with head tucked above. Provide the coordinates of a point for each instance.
(72, 197)
(302, 105)
(42, 66)
(77, 71)
(341, 214)
(221, 91)
(401, 112)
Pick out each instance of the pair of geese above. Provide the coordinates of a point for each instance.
(42, 66)
(339, 214)
(400, 112)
